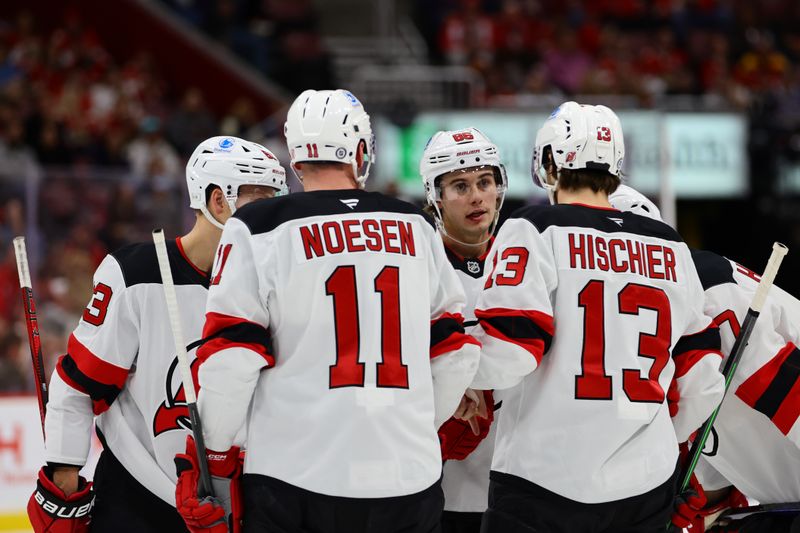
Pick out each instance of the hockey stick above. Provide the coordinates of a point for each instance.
(742, 512)
(778, 252)
(34, 340)
(204, 488)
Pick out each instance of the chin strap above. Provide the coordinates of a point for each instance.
(440, 223)
(211, 218)
(443, 231)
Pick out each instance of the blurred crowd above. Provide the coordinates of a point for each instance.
(92, 147)
(91, 157)
(727, 49)
(280, 38)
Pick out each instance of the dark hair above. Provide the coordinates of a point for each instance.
(325, 165)
(583, 178)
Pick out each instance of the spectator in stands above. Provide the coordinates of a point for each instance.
(14, 364)
(191, 123)
(17, 160)
(154, 163)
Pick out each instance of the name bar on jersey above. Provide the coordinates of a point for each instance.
(358, 235)
(594, 252)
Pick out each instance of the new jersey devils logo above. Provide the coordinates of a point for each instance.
(173, 413)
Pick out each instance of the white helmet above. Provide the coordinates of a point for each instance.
(580, 136)
(328, 126)
(229, 163)
(629, 199)
(448, 151)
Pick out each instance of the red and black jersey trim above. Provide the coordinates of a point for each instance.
(692, 348)
(222, 331)
(531, 330)
(139, 264)
(447, 334)
(581, 216)
(774, 390)
(263, 216)
(471, 266)
(712, 269)
(85, 372)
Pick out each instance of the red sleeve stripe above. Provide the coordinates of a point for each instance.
(707, 340)
(447, 334)
(222, 332)
(454, 342)
(685, 361)
(95, 368)
(530, 330)
(774, 390)
(102, 395)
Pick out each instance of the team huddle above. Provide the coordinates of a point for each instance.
(367, 366)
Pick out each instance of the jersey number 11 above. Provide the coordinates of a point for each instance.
(348, 372)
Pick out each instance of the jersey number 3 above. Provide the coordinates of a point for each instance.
(95, 312)
(348, 372)
(593, 383)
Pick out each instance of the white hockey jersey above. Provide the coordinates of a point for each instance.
(347, 299)
(755, 442)
(121, 366)
(465, 483)
(586, 316)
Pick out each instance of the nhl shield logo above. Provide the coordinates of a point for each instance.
(473, 266)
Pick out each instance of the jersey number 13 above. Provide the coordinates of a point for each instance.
(593, 383)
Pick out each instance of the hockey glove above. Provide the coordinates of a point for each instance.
(457, 438)
(689, 506)
(51, 511)
(207, 515)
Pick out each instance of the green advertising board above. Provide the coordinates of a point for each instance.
(703, 155)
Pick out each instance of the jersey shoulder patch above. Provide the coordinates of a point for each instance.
(712, 269)
(265, 215)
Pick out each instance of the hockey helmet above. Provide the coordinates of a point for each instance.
(579, 136)
(449, 151)
(629, 199)
(329, 126)
(229, 163)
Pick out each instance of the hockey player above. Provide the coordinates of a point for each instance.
(586, 317)
(337, 331)
(754, 448)
(120, 370)
(465, 185)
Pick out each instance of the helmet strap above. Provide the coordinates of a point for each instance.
(440, 222)
(210, 217)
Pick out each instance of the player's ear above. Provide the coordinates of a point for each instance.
(360, 154)
(216, 204)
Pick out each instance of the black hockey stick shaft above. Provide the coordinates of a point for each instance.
(728, 371)
(204, 488)
(32, 323)
(741, 512)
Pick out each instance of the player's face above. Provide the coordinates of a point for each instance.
(251, 193)
(469, 203)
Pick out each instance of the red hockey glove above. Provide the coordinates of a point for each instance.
(456, 436)
(51, 511)
(206, 515)
(734, 499)
(689, 506)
